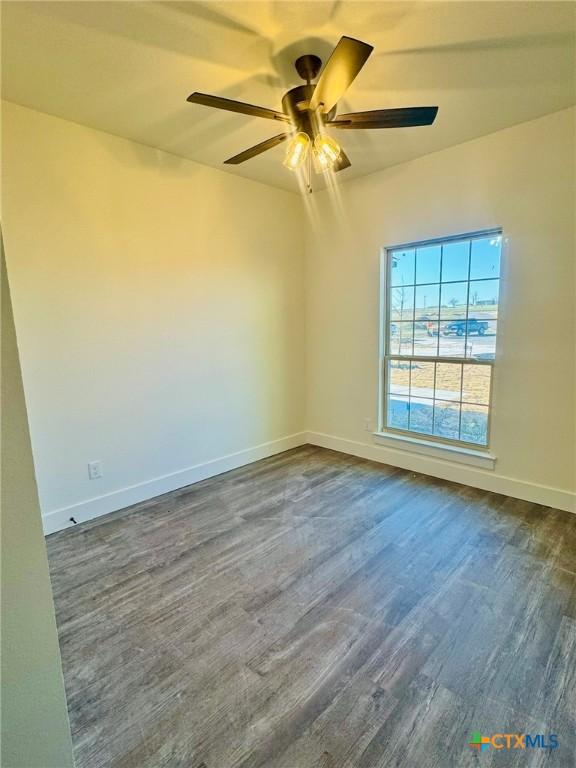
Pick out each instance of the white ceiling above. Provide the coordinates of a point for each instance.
(127, 68)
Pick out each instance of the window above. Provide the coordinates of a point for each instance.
(440, 326)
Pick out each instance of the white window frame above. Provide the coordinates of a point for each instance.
(418, 442)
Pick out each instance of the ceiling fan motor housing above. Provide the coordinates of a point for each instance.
(296, 104)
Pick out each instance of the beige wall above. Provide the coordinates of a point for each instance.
(522, 179)
(159, 310)
(35, 731)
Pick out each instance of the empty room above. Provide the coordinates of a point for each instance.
(288, 384)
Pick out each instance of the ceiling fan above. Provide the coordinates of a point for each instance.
(308, 110)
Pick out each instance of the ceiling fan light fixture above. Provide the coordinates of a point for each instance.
(297, 151)
(307, 109)
(326, 152)
(321, 162)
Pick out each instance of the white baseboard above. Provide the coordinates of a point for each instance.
(58, 519)
(89, 509)
(446, 470)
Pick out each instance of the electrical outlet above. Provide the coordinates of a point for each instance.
(368, 424)
(94, 470)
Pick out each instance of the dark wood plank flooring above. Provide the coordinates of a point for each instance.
(314, 610)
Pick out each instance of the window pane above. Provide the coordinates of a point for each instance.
(428, 264)
(453, 302)
(399, 377)
(482, 345)
(427, 302)
(426, 338)
(402, 267)
(446, 419)
(474, 424)
(422, 379)
(401, 337)
(476, 384)
(397, 417)
(451, 345)
(485, 257)
(402, 303)
(455, 258)
(421, 410)
(484, 298)
(448, 381)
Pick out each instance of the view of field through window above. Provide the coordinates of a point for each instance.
(442, 322)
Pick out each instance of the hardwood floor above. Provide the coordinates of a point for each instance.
(314, 610)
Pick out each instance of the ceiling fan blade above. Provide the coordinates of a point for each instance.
(257, 149)
(236, 106)
(346, 60)
(386, 118)
(342, 162)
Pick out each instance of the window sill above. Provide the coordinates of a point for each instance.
(456, 453)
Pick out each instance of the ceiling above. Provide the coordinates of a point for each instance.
(127, 68)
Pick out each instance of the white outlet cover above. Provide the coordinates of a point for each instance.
(94, 470)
